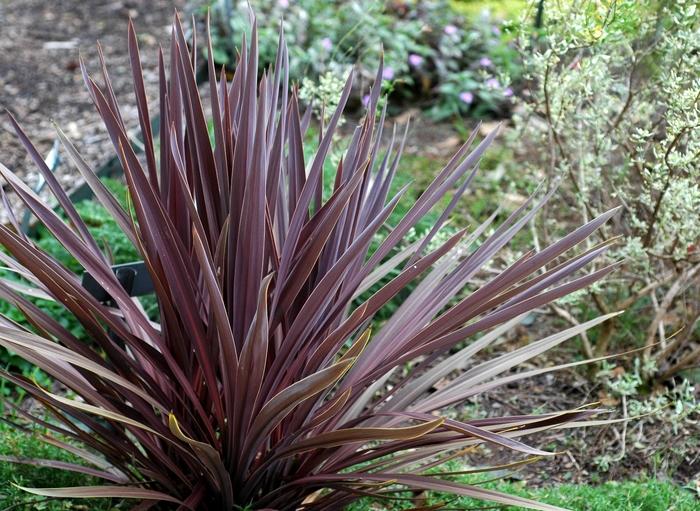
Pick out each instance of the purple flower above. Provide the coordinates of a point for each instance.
(388, 73)
(496, 31)
(492, 83)
(485, 62)
(451, 29)
(365, 100)
(326, 43)
(415, 60)
(507, 92)
(466, 97)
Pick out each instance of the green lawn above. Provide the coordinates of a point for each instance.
(647, 495)
(17, 443)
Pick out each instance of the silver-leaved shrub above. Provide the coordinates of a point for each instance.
(613, 110)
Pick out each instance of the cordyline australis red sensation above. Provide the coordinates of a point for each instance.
(262, 386)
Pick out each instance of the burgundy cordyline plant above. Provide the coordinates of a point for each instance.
(262, 385)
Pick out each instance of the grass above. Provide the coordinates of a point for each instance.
(17, 443)
(648, 495)
(643, 495)
(504, 9)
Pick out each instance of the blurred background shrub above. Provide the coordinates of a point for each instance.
(433, 55)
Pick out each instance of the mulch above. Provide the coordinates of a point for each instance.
(648, 446)
(40, 78)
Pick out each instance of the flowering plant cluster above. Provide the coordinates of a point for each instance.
(475, 69)
(430, 53)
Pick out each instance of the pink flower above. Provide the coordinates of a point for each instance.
(485, 62)
(496, 31)
(492, 83)
(415, 60)
(466, 97)
(451, 29)
(388, 73)
(283, 3)
(326, 43)
(507, 92)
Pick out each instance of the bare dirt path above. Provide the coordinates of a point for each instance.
(40, 79)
